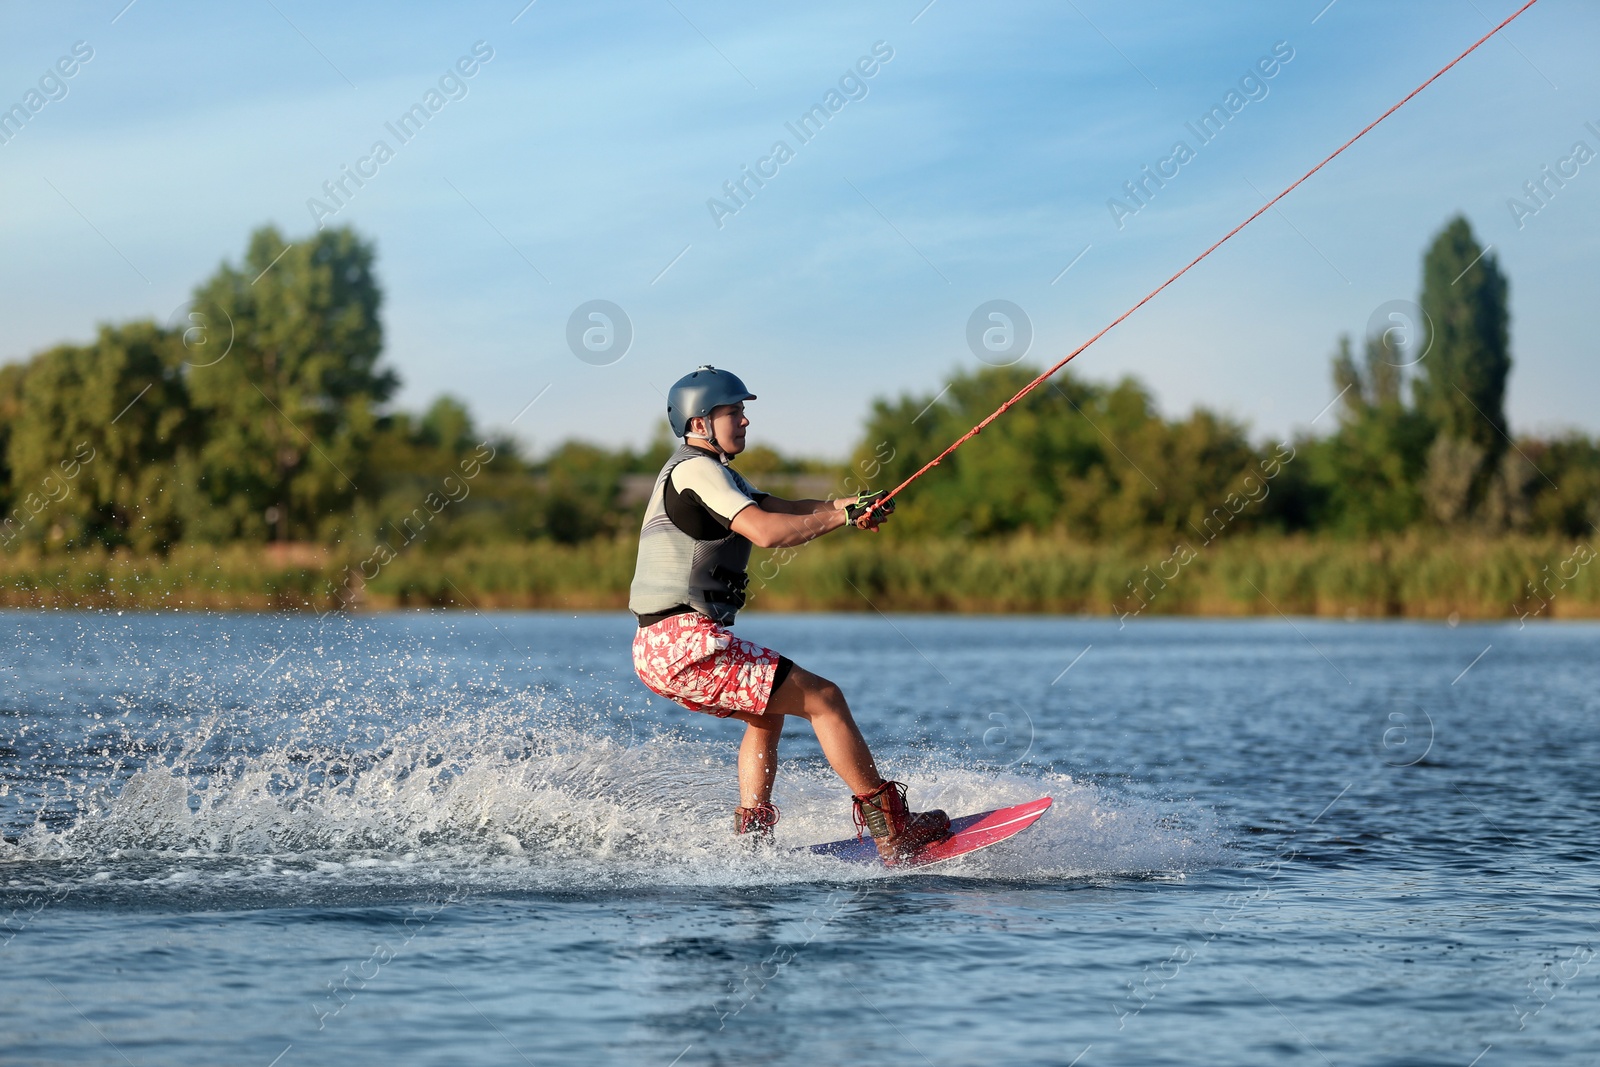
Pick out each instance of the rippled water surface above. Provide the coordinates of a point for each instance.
(454, 839)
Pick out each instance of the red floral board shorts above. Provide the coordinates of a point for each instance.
(691, 660)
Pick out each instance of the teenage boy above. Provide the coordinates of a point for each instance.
(694, 549)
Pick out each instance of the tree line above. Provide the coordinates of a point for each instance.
(262, 414)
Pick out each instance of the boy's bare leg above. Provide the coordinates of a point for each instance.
(758, 759)
(819, 702)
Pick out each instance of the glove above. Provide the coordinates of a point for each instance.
(864, 503)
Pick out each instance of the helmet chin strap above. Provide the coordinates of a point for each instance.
(709, 438)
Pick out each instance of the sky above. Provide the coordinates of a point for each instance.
(970, 153)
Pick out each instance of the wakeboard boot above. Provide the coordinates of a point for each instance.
(898, 832)
(758, 821)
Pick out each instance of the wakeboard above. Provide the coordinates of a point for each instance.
(967, 834)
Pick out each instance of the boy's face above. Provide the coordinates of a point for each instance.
(727, 425)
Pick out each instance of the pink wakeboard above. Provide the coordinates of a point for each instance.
(967, 834)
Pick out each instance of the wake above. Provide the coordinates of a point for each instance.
(507, 799)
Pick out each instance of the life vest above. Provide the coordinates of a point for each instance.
(695, 567)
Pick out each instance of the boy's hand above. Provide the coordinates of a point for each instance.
(863, 516)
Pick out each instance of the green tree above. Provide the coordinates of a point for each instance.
(103, 439)
(1012, 476)
(1368, 472)
(11, 376)
(1462, 387)
(440, 456)
(1092, 461)
(580, 484)
(447, 425)
(1564, 474)
(292, 407)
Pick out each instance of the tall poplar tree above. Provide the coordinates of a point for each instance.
(1462, 386)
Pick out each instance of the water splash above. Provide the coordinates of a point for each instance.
(512, 798)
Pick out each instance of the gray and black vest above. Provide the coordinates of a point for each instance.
(702, 566)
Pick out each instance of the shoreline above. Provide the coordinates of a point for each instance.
(1467, 578)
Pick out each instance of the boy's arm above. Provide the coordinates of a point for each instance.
(799, 507)
(790, 523)
(794, 522)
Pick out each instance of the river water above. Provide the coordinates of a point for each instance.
(440, 838)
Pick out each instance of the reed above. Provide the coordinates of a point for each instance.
(1405, 576)
(1413, 575)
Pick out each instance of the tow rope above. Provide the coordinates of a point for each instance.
(1041, 379)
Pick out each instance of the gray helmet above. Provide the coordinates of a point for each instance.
(695, 394)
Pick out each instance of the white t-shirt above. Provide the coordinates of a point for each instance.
(703, 497)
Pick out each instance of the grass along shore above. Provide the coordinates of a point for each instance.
(1410, 576)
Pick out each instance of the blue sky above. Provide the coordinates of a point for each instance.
(976, 166)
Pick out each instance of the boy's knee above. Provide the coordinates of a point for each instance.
(828, 696)
(813, 694)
